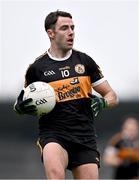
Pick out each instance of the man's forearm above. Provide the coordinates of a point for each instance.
(111, 98)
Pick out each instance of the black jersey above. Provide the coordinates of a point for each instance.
(72, 80)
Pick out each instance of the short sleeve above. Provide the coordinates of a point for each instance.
(94, 72)
(30, 75)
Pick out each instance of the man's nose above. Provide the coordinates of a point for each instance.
(71, 31)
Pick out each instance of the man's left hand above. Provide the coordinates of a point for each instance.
(97, 104)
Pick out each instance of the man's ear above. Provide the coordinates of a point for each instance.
(50, 33)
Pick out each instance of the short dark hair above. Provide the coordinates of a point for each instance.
(52, 17)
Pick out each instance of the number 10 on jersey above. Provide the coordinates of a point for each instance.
(65, 73)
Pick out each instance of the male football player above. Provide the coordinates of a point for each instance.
(66, 135)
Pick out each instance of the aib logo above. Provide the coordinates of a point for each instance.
(40, 101)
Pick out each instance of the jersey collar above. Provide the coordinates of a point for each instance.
(60, 59)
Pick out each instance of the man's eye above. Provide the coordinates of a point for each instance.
(64, 27)
(67, 27)
(72, 27)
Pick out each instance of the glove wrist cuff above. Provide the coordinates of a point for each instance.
(104, 103)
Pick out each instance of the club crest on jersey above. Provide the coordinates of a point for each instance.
(79, 68)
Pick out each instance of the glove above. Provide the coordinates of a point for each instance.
(97, 104)
(23, 107)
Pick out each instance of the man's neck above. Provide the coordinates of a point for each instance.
(58, 58)
(58, 53)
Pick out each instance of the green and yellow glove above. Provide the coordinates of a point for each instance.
(97, 104)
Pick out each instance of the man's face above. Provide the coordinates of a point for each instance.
(64, 33)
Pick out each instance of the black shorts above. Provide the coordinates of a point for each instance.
(78, 153)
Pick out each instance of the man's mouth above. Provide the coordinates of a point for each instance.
(70, 41)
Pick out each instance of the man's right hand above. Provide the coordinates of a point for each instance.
(22, 106)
